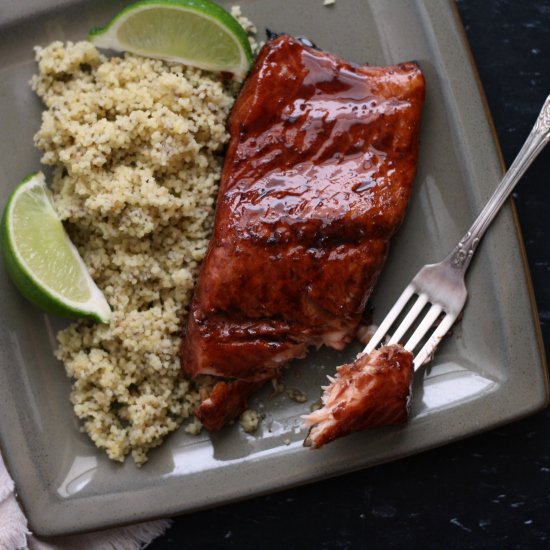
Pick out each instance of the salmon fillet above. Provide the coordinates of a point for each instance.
(316, 181)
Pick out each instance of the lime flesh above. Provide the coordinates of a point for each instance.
(40, 258)
(197, 33)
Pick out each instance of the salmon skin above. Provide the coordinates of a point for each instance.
(316, 181)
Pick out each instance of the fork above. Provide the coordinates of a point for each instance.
(440, 288)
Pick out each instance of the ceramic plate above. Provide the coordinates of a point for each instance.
(489, 371)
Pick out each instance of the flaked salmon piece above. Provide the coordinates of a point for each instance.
(226, 402)
(373, 391)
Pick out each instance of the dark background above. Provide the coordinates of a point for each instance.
(489, 491)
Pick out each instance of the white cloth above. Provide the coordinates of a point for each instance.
(15, 534)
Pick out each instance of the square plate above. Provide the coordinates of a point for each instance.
(491, 370)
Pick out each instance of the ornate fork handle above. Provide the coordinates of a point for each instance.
(540, 135)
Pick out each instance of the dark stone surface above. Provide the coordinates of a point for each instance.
(489, 491)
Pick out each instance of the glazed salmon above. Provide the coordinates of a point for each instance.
(373, 391)
(316, 181)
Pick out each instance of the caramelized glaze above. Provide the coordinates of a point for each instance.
(316, 181)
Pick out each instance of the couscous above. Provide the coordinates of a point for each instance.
(135, 145)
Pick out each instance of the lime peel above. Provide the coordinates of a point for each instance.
(199, 33)
(41, 259)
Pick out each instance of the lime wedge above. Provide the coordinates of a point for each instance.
(40, 258)
(194, 32)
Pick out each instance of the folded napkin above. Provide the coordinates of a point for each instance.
(15, 534)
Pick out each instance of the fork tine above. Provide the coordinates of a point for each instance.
(409, 319)
(389, 319)
(430, 346)
(424, 327)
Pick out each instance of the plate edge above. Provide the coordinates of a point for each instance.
(515, 218)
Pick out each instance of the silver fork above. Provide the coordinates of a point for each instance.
(440, 287)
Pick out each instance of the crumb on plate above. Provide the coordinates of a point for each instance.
(249, 420)
(296, 395)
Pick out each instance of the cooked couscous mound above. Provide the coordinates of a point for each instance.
(135, 148)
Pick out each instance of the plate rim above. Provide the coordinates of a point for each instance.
(515, 218)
